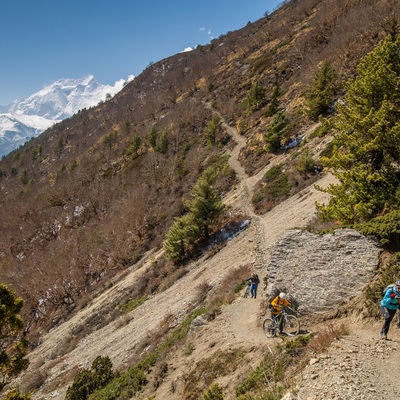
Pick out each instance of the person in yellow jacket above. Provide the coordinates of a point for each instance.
(277, 305)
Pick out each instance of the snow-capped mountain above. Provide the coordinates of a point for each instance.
(24, 119)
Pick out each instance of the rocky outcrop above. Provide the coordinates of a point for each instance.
(319, 272)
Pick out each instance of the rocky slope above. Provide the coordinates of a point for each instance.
(358, 366)
(61, 353)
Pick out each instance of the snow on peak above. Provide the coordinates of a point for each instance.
(27, 118)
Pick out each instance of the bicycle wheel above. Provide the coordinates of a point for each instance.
(269, 327)
(291, 326)
(247, 292)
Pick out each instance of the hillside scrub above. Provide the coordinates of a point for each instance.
(126, 384)
(128, 194)
(282, 181)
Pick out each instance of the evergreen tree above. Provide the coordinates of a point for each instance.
(322, 92)
(182, 234)
(211, 130)
(273, 106)
(12, 344)
(152, 138)
(255, 98)
(205, 203)
(88, 381)
(203, 208)
(275, 131)
(110, 139)
(366, 148)
(135, 146)
(162, 143)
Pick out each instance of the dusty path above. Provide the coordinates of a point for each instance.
(237, 325)
(357, 366)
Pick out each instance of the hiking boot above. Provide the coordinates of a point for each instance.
(383, 336)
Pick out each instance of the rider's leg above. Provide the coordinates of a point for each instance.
(255, 291)
(280, 321)
(388, 316)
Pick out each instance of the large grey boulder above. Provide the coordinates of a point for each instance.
(319, 272)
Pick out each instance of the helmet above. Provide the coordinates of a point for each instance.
(282, 295)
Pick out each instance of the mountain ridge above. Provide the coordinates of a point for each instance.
(28, 118)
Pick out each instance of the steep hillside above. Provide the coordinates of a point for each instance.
(123, 337)
(92, 194)
(99, 329)
(85, 206)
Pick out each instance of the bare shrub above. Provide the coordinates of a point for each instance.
(202, 292)
(123, 321)
(221, 363)
(160, 372)
(226, 291)
(33, 381)
(65, 347)
(323, 339)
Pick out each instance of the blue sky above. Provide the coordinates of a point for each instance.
(46, 40)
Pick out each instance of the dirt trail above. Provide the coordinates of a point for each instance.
(237, 325)
(357, 366)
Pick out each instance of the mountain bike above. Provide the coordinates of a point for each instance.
(290, 327)
(247, 291)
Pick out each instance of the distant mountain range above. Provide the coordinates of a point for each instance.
(24, 119)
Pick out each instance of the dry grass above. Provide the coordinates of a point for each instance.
(324, 338)
(207, 370)
(226, 291)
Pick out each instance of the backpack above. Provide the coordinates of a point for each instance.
(391, 286)
(275, 292)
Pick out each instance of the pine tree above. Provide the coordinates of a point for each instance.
(273, 106)
(135, 146)
(211, 130)
(366, 148)
(275, 131)
(182, 234)
(255, 98)
(322, 92)
(12, 344)
(205, 203)
(203, 208)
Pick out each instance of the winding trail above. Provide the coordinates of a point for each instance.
(237, 325)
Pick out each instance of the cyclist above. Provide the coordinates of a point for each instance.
(277, 305)
(389, 305)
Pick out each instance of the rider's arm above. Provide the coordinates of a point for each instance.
(286, 303)
(274, 301)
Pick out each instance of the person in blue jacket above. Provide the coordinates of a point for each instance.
(253, 282)
(389, 305)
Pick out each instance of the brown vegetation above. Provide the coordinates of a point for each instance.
(99, 195)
